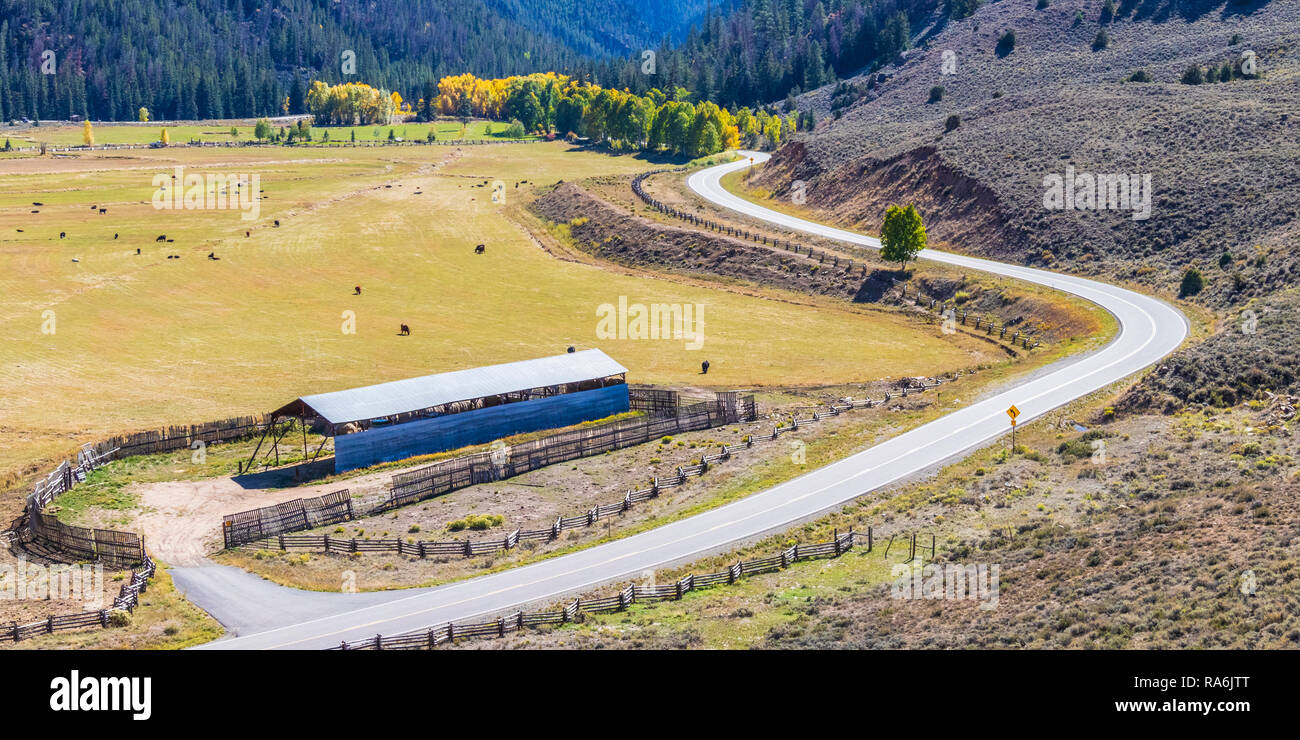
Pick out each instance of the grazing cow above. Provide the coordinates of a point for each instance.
(704, 367)
(405, 332)
(20, 231)
(161, 238)
(248, 234)
(74, 259)
(115, 237)
(571, 350)
(37, 203)
(357, 290)
(169, 241)
(480, 249)
(213, 256)
(277, 222)
(63, 235)
(94, 207)
(102, 211)
(35, 211)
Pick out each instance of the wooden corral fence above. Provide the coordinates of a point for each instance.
(127, 599)
(620, 601)
(180, 437)
(450, 475)
(257, 525)
(655, 402)
(107, 545)
(290, 516)
(471, 548)
(112, 546)
(1023, 338)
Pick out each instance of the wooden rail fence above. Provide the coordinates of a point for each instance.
(251, 527)
(1022, 337)
(126, 601)
(471, 548)
(627, 596)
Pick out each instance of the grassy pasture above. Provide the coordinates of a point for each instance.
(219, 131)
(140, 340)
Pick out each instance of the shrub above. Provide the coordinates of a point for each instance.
(1006, 43)
(1042, 5)
(936, 93)
(119, 618)
(1192, 284)
(1193, 75)
(1101, 40)
(1139, 76)
(1108, 11)
(953, 122)
(958, 9)
(515, 130)
(476, 522)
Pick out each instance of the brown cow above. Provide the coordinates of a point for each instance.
(405, 332)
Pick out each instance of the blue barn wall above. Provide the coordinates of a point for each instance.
(427, 436)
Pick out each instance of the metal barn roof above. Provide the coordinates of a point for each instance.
(413, 394)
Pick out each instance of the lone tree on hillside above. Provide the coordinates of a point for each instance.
(263, 129)
(902, 235)
(87, 133)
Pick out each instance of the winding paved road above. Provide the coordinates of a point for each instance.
(265, 616)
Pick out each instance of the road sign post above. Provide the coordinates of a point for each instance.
(1013, 412)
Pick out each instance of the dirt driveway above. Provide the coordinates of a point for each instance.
(181, 520)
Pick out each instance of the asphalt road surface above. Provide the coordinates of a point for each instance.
(266, 616)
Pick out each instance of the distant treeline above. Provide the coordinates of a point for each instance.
(206, 59)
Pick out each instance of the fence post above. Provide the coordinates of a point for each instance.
(469, 549)
(837, 542)
(379, 642)
(869, 542)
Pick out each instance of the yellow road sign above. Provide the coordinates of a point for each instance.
(1013, 412)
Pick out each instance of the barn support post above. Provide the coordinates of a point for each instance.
(253, 458)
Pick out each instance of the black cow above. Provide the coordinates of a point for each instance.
(405, 332)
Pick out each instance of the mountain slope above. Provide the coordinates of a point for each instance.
(222, 58)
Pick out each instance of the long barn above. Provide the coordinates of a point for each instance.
(433, 413)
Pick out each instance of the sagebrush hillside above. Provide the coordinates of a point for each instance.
(1224, 157)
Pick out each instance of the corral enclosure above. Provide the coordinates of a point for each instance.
(117, 341)
(446, 411)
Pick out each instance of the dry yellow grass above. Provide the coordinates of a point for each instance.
(141, 340)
